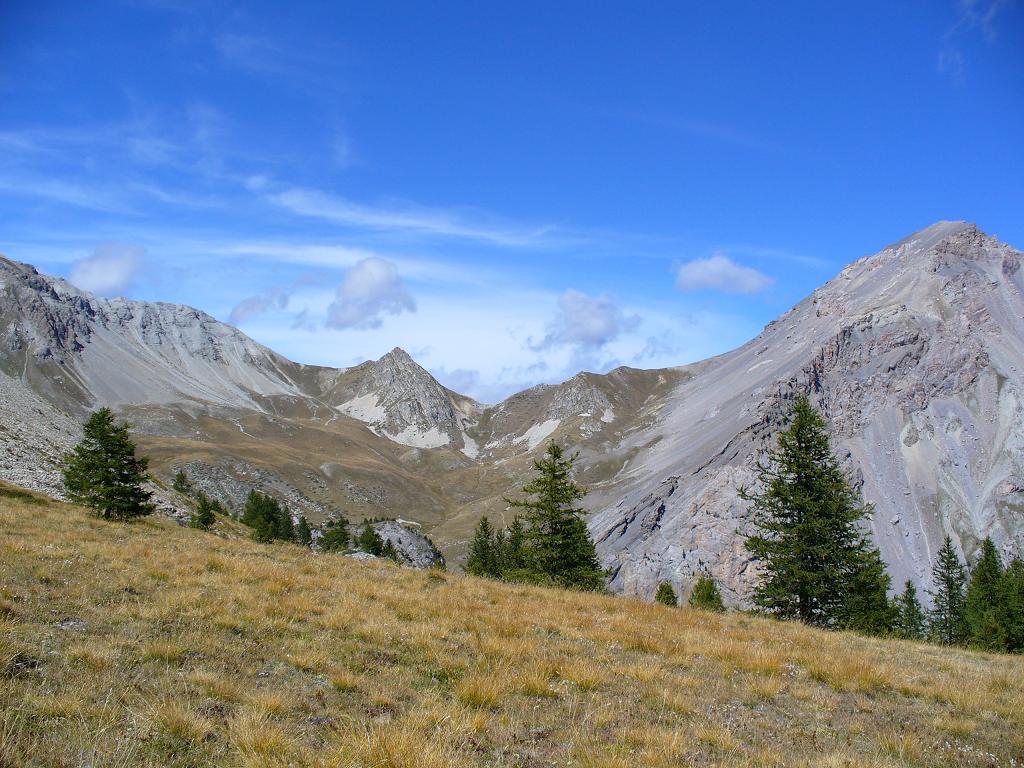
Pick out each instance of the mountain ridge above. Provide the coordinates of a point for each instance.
(894, 350)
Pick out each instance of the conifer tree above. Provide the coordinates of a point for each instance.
(303, 534)
(103, 472)
(947, 622)
(335, 536)
(705, 595)
(284, 527)
(203, 516)
(181, 483)
(267, 518)
(984, 599)
(817, 563)
(666, 595)
(388, 550)
(369, 541)
(511, 545)
(484, 551)
(558, 543)
(1011, 610)
(867, 607)
(910, 620)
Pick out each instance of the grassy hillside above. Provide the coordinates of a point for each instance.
(149, 644)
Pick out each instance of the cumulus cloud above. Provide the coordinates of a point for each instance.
(370, 289)
(257, 305)
(109, 270)
(586, 322)
(720, 273)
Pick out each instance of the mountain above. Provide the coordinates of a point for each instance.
(914, 355)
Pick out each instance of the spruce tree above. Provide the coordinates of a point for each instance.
(334, 536)
(181, 483)
(867, 607)
(666, 595)
(484, 551)
(511, 546)
(303, 534)
(817, 564)
(559, 545)
(705, 595)
(369, 541)
(910, 619)
(1011, 609)
(267, 518)
(947, 622)
(203, 516)
(103, 472)
(984, 599)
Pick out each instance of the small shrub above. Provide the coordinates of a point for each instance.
(666, 595)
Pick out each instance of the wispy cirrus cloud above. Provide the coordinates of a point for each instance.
(428, 221)
(972, 16)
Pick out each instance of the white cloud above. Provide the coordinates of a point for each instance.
(370, 289)
(109, 270)
(588, 322)
(257, 305)
(720, 273)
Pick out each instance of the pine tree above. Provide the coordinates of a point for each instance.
(867, 607)
(559, 545)
(181, 483)
(484, 551)
(284, 527)
(1011, 610)
(666, 595)
(910, 621)
(303, 534)
(267, 518)
(369, 541)
(947, 622)
(705, 595)
(103, 472)
(203, 516)
(817, 563)
(335, 536)
(511, 546)
(388, 550)
(984, 599)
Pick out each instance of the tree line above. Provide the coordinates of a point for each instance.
(815, 561)
(104, 473)
(817, 564)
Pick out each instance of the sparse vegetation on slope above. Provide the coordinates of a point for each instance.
(153, 644)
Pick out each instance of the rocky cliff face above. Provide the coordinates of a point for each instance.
(914, 355)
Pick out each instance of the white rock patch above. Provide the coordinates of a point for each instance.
(538, 433)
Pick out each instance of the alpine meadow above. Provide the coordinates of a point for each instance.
(422, 385)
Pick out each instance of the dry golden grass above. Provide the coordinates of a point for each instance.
(152, 645)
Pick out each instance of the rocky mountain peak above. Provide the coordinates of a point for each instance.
(398, 398)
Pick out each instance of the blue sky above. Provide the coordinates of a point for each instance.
(512, 194)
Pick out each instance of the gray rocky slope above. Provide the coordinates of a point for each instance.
(913, 354)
